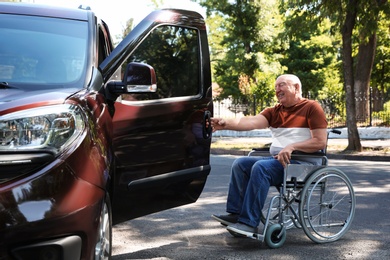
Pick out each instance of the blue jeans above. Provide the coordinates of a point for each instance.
(249, 184)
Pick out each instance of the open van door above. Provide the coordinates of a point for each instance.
(161, 107)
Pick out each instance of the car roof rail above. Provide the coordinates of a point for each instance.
(84, 7)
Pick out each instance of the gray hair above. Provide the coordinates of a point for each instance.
(293, 79)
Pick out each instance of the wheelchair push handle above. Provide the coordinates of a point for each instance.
(335, 131)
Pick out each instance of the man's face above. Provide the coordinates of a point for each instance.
(286, 92)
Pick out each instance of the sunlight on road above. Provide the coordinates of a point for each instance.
(378, 189)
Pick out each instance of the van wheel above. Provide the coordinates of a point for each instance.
(104, 239)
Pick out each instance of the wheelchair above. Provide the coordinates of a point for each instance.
(316, 198)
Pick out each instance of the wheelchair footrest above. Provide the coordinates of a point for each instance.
(257, 236)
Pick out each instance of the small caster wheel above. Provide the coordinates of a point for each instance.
(275, 236)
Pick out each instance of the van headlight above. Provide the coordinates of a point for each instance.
(45, 128)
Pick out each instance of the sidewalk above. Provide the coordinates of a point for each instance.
(374, 149)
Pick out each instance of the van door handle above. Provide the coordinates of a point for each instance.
(207, 129)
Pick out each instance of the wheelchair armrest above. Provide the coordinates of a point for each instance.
(296, 155)
(315, 154)
(262, 149)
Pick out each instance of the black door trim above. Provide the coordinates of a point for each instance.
(169, 178)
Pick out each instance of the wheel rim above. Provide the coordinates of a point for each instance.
(274, 237)
(328, 205)
(103, 244)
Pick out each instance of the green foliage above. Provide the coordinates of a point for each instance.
(331, 95)
(252, 42)
(242, 35)
(312, 52)
(380, 77)
(384, 115)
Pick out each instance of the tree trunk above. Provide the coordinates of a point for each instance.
(346, 31)
(365, 61)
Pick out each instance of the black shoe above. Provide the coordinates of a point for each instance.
(226, 220)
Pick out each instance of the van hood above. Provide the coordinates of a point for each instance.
(12, 100)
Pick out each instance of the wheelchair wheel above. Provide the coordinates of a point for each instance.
(327, 205)
(275, 236)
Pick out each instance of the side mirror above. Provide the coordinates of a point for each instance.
(138, 78)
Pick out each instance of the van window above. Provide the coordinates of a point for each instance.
(174, 54)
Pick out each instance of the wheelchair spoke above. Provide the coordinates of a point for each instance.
(327, 208)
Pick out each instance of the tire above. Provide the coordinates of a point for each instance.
(273, 237)
(327, 205)
(103, 247)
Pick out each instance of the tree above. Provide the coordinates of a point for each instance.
(130, 22)
(380, 77)
(312, 52)
(241, 45)
(361, 18)
(129, 26)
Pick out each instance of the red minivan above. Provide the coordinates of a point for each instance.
(92, 135)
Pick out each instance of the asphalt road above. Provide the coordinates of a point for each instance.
(188, 232)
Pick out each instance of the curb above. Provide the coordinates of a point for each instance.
(365, 133)
(349, 157)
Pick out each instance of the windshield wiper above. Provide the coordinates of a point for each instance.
(5, 85)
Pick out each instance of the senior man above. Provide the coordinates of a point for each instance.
(296, 123)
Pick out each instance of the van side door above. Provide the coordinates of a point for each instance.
(161, 139)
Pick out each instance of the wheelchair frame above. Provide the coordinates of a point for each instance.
(316, 198)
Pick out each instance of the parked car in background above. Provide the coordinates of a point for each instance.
(92, 135)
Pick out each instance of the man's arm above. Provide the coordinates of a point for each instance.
(240, 124)
(317, 142)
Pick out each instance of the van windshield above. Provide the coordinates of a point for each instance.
(42, 52)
